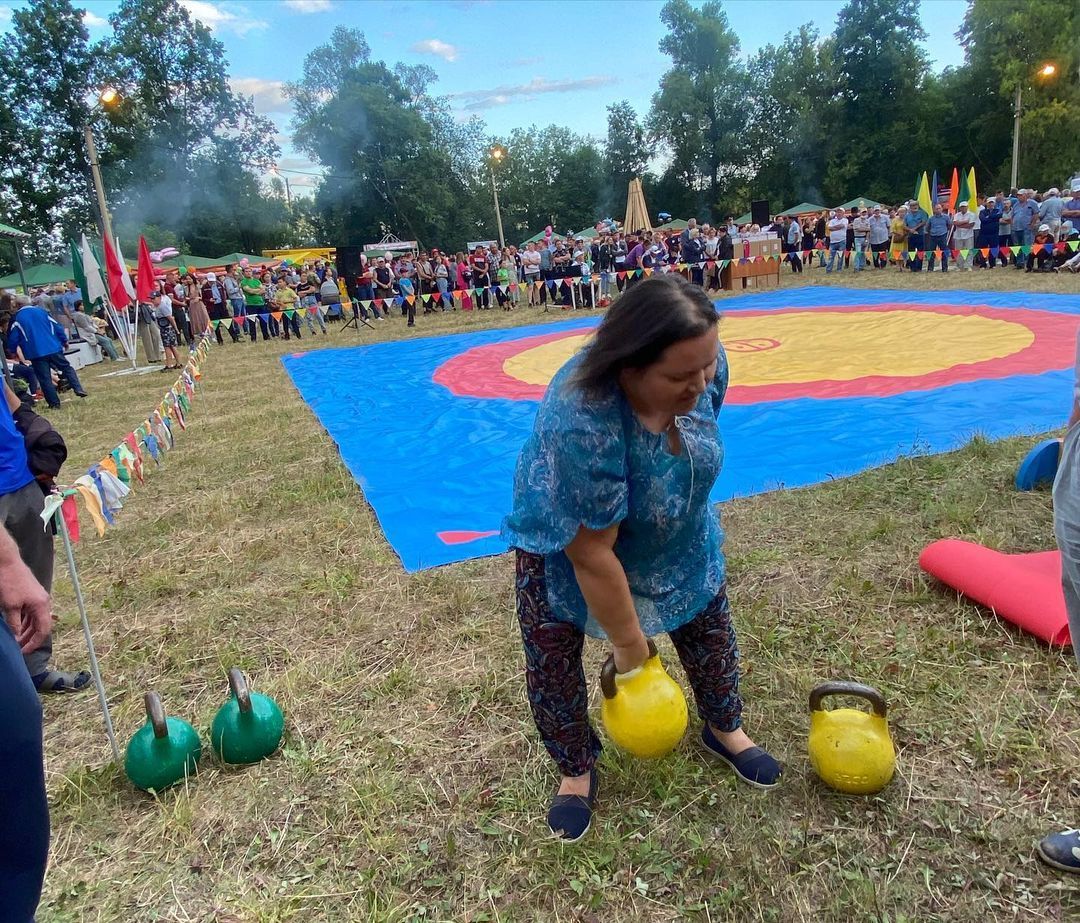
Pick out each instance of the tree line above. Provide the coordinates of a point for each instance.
(818, 118)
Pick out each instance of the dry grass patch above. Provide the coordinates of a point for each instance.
(412, 786)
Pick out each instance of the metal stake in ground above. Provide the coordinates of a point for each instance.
(95, 671)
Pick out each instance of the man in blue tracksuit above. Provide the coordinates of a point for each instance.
(42, 341)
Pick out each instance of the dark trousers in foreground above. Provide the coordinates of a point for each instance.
(914, 244)
(24, 810)
(555, 679)
(938, 242)
(43, 366)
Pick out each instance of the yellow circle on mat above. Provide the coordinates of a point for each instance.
(826, 346)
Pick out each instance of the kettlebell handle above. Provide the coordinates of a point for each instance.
(608, 672)
(155, 712)
(841, 687)
(239, 686)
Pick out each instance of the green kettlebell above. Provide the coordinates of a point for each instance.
(248, 727)
(163, 751)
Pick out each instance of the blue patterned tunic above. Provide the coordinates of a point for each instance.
(593, 463)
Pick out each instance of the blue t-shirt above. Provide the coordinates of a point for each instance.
(939, 225)
(592, 463)
(1023, 213)
(913, 219)
(14, 472)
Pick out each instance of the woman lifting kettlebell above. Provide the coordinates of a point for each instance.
(615, 537)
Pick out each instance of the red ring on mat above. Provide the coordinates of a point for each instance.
(478, 372)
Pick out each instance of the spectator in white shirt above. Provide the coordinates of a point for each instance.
(838, 225)
(963, 235)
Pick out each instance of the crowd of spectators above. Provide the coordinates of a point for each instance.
(1025, 229)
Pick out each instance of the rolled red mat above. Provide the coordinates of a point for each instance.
(1023, 589)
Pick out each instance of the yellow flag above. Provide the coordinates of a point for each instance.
(924, 195)
(973, 202)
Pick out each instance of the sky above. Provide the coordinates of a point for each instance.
(512, 62)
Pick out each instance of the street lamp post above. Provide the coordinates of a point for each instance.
(497, 154)
(1047, 70)
(108, 97)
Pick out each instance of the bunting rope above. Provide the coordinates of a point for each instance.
(105, 485)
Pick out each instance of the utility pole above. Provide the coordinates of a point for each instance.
(1016, 138)
(498, 214)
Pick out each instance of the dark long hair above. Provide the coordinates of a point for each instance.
(644, 321)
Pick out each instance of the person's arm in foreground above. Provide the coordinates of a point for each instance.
(603, 583)
(27, 607)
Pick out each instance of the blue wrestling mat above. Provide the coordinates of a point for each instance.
(825, 382)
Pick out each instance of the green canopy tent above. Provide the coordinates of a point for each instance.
(231, 258)
(587, 234)
(33, 276)
(803, 208)
(192, 262)
(675, 224)
(860, 203)
(536, 238)
(742, 219)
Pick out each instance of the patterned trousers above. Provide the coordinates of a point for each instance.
(555, 678)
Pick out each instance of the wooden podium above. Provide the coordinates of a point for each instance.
(754, 273)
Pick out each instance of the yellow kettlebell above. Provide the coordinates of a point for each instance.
(644, 710)
(850, 749)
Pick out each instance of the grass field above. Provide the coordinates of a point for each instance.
(412, 785)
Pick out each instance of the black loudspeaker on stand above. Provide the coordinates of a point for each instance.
(347, 262)
(759, 212)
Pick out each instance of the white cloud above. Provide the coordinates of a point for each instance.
(5, 14)
(268, 94)
(92, 21)
(309, 6)
(437, 47)
(500, 96)
(219, 17)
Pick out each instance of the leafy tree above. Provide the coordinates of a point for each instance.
(627, 152)
(878, 137)
(392, 155)
(1006, 44)
(787, 117)
(697, 114)
(550, 176)
(44, 65)
(164, 148)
